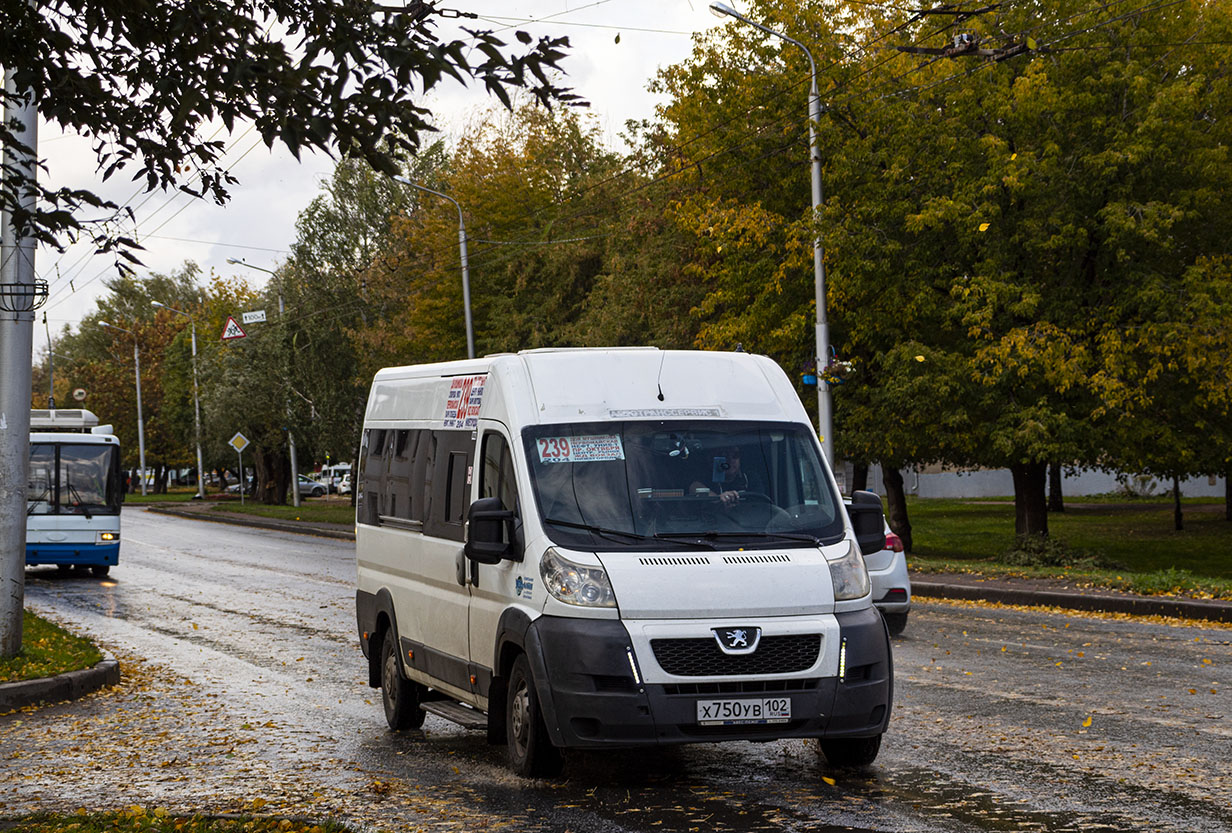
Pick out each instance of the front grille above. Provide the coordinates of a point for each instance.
(741, 687)
(703, 658)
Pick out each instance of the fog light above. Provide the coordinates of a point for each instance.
(108, 536)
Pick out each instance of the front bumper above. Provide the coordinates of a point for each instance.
(79, 554)
(892, 586)
(592, 697)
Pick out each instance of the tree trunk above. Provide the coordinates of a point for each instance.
(1030, 504)
(859, 477)
(1056, 502)
(160, 483)
(896, 504)
(273, 476)
(1227, 494)
(1177, 521)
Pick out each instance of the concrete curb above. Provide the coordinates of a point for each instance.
(259, 523)
(71, 685)
(1211, 610)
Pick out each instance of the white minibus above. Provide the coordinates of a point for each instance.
(587, 548)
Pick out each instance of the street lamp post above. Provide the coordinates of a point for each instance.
(140, 421)
(290, 433)
(196, 396)
(825, 405)
(466, 275)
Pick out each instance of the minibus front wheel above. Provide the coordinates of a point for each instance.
(851, 752)
(531, 753)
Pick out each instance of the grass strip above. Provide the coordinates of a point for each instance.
(141, 820)
(47, 649)
(1126, 545)
(340, 512)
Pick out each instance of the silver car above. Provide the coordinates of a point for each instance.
(887, 571)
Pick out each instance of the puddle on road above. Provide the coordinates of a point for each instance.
(778, 787)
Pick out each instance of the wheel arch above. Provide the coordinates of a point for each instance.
(378, 620)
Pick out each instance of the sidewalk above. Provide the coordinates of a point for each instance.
(1064, 594)
(963, 586)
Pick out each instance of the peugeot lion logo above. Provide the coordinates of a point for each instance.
(737, 640)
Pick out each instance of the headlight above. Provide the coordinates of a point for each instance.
(575, 584)
(849, 575)
(108, 537)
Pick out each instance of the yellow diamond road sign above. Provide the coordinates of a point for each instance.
(239, 442)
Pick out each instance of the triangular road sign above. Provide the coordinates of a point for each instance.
(232, 330)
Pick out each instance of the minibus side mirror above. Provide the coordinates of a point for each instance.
(868, 521)
(486, 523)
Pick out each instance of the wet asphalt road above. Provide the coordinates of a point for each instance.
(245, 690)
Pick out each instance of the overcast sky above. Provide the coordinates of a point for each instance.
(258, 224)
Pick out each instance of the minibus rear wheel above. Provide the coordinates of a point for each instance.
(399, 696)
(531, 753)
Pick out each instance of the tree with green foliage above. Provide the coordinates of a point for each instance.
(994, 229)
(142, 81)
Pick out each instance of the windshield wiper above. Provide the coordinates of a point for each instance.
(607, 533)
(72, 490)
(712, 535)
(33, 504)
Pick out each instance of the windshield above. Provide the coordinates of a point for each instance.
(72, 479)
(658, 485)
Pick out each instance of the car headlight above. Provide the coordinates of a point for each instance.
(575, 584)
(107, 537)
(849, 575)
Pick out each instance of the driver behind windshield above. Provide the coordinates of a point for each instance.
(727, 479)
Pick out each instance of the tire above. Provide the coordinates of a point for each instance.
(399, 696)
(100, 570)
(851, 752)
(531, 753)
(895, 622)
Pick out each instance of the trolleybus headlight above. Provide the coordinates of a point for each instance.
(575, 584)
(849, 575)
(108, 537)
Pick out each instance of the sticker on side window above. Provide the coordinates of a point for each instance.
(595, 448)
(465, 398)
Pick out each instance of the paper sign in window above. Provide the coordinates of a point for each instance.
(595, 448)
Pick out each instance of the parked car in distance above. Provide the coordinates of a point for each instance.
(344, 488)
(887, 572)
(311, 488)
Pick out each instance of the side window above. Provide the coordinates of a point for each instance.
(369, 501)
(399, 481)
(496, 479)
(455, 495)
(449, 488)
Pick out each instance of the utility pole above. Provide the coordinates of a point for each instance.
(140, 421)
(466, 271)
(20, 296)
(192, 323)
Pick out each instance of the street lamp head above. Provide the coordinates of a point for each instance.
(159, 304)
(719, 9)
(236, 262)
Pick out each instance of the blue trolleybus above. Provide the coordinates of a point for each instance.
(74, 492)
